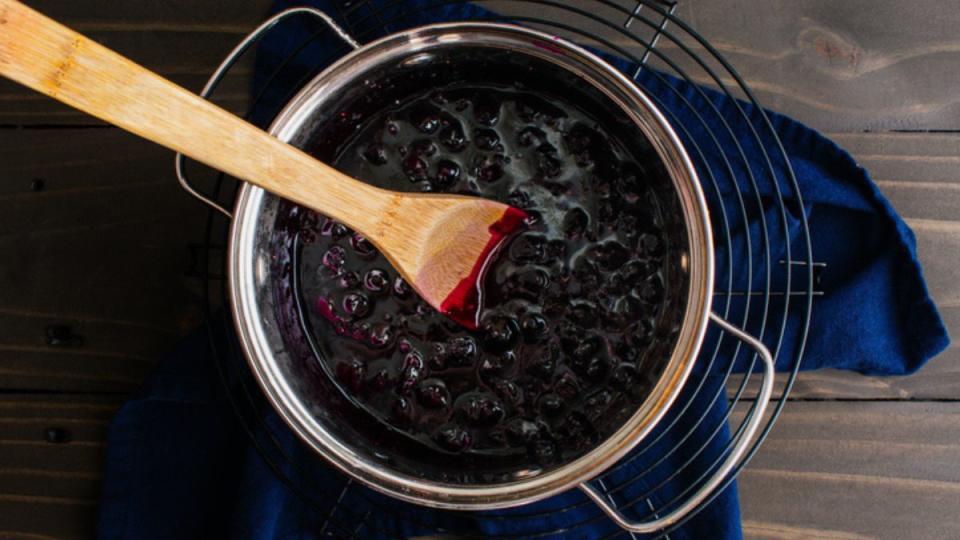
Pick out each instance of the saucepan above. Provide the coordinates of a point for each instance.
(304, 397)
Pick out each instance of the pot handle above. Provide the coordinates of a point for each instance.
(228, 63)
(732, 460)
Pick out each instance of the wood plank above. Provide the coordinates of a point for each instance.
(183, 41)
(47, 489)
(102, 249)
(830, 470)
(856, 470)
(836, 67)
(841, 66)
(168, 15)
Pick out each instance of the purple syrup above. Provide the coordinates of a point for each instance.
(464, 302)
(561, 346)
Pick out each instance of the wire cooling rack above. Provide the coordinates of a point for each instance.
(765, 272)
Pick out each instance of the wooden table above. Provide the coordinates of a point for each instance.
(100, 240)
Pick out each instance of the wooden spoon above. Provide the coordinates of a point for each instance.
(441, 244)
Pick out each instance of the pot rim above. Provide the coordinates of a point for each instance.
(244, 269)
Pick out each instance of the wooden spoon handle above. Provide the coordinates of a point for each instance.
(50, 58)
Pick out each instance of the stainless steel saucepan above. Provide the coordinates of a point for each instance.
(298, 391)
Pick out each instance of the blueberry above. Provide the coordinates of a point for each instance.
(587, 348)
(597, 404)
(348, 280)
(415, 168)
(493, 367)
(584, 313)
(651, 290)
(333, 229)
(519, 199)
(556, 249)
(578, 428)
(624, 376)
(550, 404)
(426, 119)
(453, 438)
(521, 431)
(356, 305)
(376, 280)
(548, 164)
(543, 366)
(597, 368)
(334, 259)
(567, 386)
(376, 154)
(448, 173)
(486, 139)
(401, 411)
(508, 392)
(381, 336)
(411, 371)
(575, 222)
(500, 332)
(380, 380)
(649, 244)
(429, 124)
(579, 139)
(629, 182)
(528, 248)
(438, 357)
(362, 246)
(461, 351)
(453, 138)
(350, 373)
(545, 452)
(612, 255)
(640, 333)
(534, 326)
(480, 410)
(424, 147)
(531, 136)
(401, 289)
(490, 171)
(433, 394)
(486, 111)
(628, 307)
(635, 271)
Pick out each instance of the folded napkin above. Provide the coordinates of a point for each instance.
(181, 464)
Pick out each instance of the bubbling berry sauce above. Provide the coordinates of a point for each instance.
(572, 332)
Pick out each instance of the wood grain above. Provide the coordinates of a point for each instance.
(856, 470)
(51, 489)
(101, 249)
(847, 66)
(184, 41)
(850, 66)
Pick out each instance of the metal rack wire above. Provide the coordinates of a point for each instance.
(765, 272)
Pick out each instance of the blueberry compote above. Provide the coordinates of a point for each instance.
(573, 332)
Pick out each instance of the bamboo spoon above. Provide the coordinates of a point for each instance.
(441, 244)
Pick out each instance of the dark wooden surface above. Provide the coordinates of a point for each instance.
(103, 249)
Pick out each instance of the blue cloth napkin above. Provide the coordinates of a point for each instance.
(181, 464)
